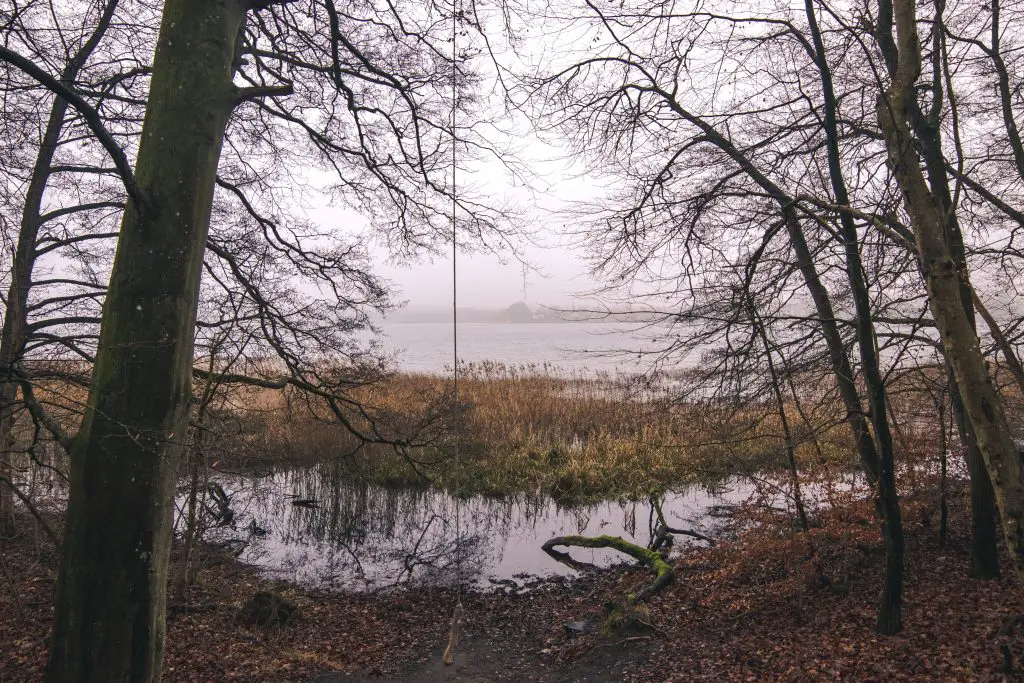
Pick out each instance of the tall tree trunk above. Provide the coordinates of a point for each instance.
(984, 553)
(111, 594)
(944, 280)
(12, 335)
(984, 557)
(889, 613)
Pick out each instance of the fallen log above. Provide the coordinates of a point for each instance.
(663, 571)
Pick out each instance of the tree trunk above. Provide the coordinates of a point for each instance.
(111, 594)
(889, 619)
(943, 279)
(984, 554)
(12, 334)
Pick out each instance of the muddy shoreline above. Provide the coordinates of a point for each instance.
(772, 605)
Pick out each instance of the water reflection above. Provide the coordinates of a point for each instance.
(315, 527)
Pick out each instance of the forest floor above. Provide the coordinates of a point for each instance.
(770, 605)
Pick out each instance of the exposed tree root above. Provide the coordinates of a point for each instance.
(664, 573)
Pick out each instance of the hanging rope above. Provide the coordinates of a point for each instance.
(453, 632)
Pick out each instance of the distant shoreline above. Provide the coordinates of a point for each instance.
(519, 313)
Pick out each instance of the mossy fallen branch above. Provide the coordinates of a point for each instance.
(664, 573)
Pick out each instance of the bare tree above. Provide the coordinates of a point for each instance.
(363, 92)
(638, 102)
(68, 37)
(946, 280)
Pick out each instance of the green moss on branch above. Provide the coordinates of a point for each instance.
(664, 574)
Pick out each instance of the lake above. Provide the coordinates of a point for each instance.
(579, 347)
(355, 536)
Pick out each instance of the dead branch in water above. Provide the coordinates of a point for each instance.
(663, 532)
(664, 574)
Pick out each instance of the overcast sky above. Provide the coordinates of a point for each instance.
(556, 273)
(484, 281)
(548, 183)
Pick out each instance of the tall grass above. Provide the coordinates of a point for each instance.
(532, 428)
(523, 428)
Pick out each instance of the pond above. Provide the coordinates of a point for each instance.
(313, 526)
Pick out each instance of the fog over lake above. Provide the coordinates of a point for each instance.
(580, 347)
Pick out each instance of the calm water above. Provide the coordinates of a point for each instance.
(362, 537)
(427, 347)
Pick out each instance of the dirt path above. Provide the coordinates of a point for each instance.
(483, 659)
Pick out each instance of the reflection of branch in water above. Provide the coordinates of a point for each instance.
(410, 560)
(439, 558)
(360, 572)
(582, 520)
(661, 536)
(629, 520)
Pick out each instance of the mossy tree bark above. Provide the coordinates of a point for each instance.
(944, 279)
(663, 572)
(111, 594)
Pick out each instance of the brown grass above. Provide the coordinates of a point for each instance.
(520, 429)
(523, 429)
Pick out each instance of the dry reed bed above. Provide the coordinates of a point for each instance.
(578, 437)
(521, 429)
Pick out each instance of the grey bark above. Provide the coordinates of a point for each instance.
(944, 280)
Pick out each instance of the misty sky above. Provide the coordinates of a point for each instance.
(556, 274)
(556, 271)
(486, 282)
(547, 183)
